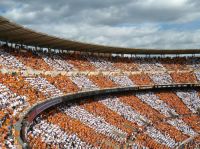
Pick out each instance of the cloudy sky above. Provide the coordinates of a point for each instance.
(126, 23)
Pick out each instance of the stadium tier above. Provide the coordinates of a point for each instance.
(153, 118)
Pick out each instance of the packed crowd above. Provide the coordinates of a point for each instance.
(180, 63)
(10, 61)
(121, 80)
(153, 100)
(10, 106)
(157, 121)
(14, 58)
(101, 64)
(53, 136)
(186, 77)
(141, 79)
(18, 92)
(31, 60)
(161, 78)
(142, 120)
(42, 85)
(28, 88)
(83, 82)
(190, 98)
(56, 62)
(149, 64)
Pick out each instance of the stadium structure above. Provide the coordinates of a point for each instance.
(58, 93)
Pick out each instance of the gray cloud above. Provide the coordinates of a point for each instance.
(135, 23)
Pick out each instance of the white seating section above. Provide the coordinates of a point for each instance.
(182, 126)
(136, 146)
(149, 65)
(161, 138)
(194, 63)
(159, 105)
(124, 110)
(52, 63)
(10, 61)
(83, 82)
(197, 74)
(8, 99)
(53, 134)
(190, 98)
(64, 64)
(161, 78)
(57, 62)
(151, 99)
(44, 86)
(97, 123)
(101, 64)
(121, 80)
(128, 113)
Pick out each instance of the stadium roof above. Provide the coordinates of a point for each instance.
(15, 33)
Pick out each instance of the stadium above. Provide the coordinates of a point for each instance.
(59, 93)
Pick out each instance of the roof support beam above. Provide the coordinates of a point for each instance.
(58, 45)
(45, 42)
(3, 22)
(31, 37)
(75, 45)
(67, 46)
(80, 47)
(10, 30)
(18, 37)
(13, 34)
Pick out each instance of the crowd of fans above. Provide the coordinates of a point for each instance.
(178, 63)
(14, 58)
(190, 98)
(186, 77)
(11, 100)
(121, 80)
(153, 100)
(149, 64)
(116, 120)
(149, 120)
(161, 78)
(10, 61)
(56, 62)
(31, 59)
(10, 106)
(130, 114)
(83, 82)
(62, 82)
(42, 85)
(101, 64)
(53, 136)
(141, 79)
(102, 81)
(79, 62)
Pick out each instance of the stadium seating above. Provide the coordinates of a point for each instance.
(160, 119)
(113, 119)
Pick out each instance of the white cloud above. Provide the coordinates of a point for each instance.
(164, 3)
(126, 23)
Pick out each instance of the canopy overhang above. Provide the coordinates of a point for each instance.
(14, 33)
